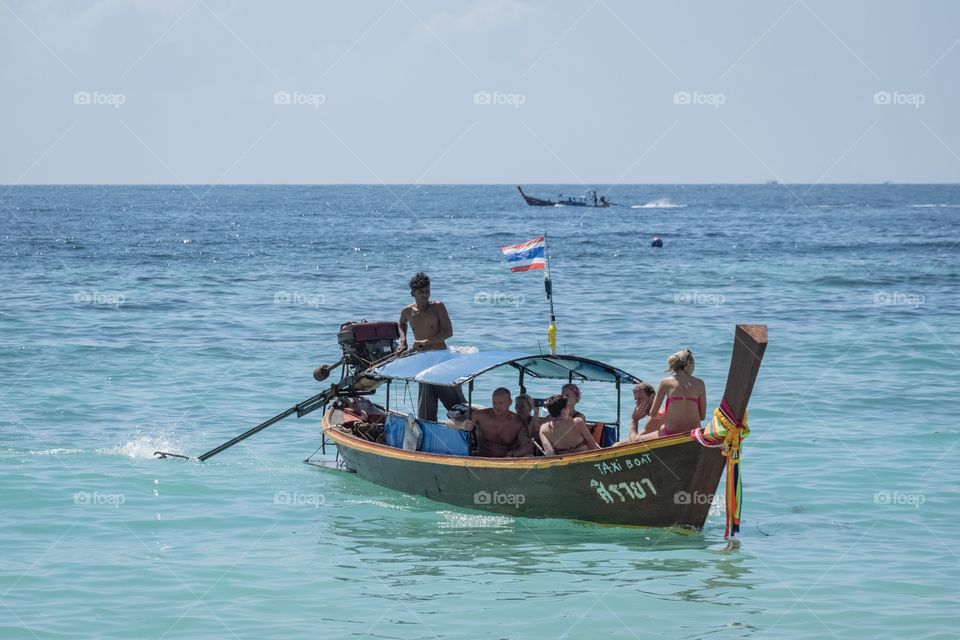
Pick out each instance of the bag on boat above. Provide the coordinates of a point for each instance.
(412, 434)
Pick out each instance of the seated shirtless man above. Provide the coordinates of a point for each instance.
(431, 328)
(500, 432)
(561, 434)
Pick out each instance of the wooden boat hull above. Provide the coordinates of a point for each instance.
(665, 483)
(536, 202)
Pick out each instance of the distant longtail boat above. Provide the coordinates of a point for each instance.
(567, 201)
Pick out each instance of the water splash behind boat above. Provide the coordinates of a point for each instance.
(660, 203)
(143, 446)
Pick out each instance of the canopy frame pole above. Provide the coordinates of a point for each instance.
(475, 432)
(618, 408)
(523, 389)
(388, 395)
(548, 288)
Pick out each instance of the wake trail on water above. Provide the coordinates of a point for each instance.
(661, 203)
(54, 452)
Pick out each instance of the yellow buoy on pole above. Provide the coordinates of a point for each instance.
(548, 287)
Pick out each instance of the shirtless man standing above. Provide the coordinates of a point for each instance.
(431, 328)
(500, 432)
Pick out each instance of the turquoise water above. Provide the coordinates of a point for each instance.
(144, 318)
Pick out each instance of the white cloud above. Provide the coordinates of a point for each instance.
(483, 17)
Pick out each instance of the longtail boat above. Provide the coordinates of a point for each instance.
(668, 482)
(567, 201)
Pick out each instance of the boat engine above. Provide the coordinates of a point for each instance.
(363, 343)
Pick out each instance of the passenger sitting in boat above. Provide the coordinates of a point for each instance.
(686, 393)
(643, 395)
(530, 414)
(562, 434)
(500, 432)
(571, 392)
(431, 328)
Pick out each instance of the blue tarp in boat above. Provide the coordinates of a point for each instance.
(393, 428)
(437, 438)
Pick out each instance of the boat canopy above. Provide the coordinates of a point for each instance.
(452, 368)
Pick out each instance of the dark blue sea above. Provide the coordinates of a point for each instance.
(138, 318)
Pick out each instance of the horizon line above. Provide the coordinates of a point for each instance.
(770, 183)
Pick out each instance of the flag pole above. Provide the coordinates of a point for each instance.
(548, 287)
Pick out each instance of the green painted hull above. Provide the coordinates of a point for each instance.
(662, 484)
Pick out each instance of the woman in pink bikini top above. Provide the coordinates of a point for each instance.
(685, 395)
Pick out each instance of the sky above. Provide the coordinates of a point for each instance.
(482, 91)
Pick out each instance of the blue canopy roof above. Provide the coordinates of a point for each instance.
(451, 368)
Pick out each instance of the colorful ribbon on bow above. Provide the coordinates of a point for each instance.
(726, 432)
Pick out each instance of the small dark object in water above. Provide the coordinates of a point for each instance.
(166, 454)
(657, 242)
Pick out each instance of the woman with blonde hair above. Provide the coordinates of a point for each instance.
(685, 392)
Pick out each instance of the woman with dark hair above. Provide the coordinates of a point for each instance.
(526, 407)
(571, 392)
(560, 434)
(686, 393)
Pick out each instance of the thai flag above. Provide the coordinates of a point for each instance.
(527, 255)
